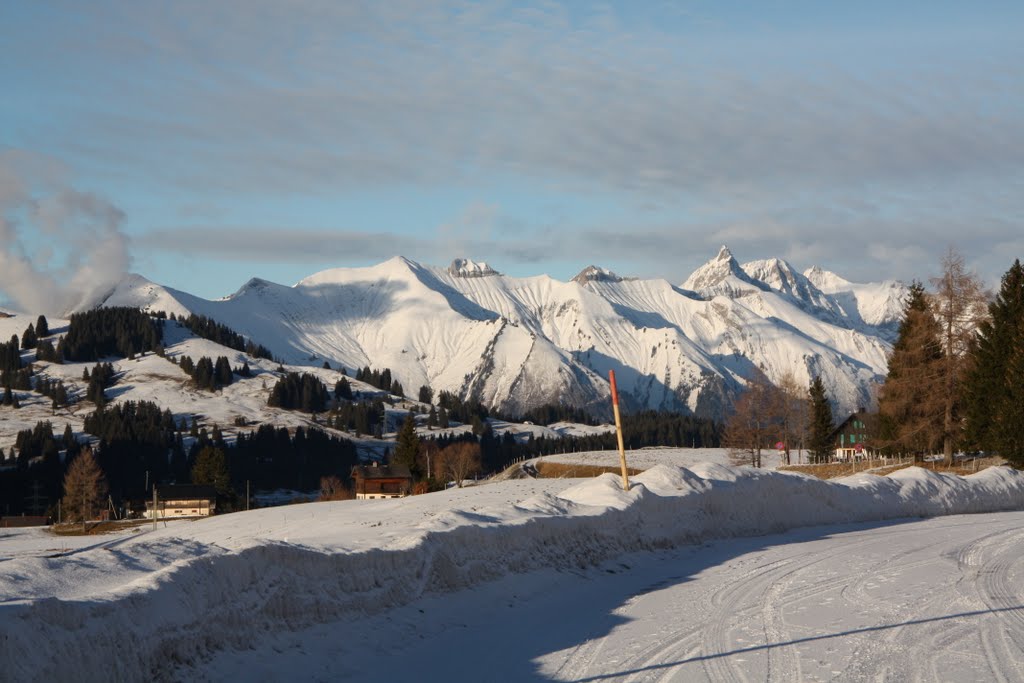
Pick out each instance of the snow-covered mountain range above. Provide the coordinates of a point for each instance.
(514, 343)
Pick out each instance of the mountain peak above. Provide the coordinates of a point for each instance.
(462, 267)
(594, 274)
(774, 272)
(722, 275)
(253, 287)
(825, 280)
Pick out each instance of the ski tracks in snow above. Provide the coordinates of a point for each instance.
(940, 599)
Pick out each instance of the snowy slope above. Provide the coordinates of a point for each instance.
(878, 303)
(149, 377)
(515, 343)
(185, 591)
(782, 277)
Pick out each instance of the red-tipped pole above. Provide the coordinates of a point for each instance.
(618, 430)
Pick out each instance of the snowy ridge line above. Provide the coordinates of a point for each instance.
(196, 598)
(679, 349)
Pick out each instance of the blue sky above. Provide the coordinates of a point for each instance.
(203, 143)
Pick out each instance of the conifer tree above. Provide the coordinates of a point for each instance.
(211, 468)
(820, 425)
(993, 383)
(46, 352)
(29, 339)
(408, 444)
(222, 372)
(42, 327)
(343, 390)
(85, 488)
(1010, 417)
(909, 402)
(203, 374)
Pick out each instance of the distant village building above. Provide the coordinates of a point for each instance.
(381, 481)
(177, 502)
(851, 438)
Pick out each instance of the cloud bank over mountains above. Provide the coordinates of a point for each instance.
(639, 138)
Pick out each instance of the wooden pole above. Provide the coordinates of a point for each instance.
(618, 430)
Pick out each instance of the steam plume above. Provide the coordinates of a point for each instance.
(61, 249)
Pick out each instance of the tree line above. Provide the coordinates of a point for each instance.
(116, 331)
(381, 379)
(210, 329)
(299, 391)
(955, 379)
(212, 374)
(139, 445)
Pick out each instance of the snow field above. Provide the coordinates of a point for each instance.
(145, 603)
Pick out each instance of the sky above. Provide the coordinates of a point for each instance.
(202, 143)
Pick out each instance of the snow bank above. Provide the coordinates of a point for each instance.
(138, 606)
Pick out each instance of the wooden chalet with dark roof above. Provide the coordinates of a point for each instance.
(381, 481)
(852, 436)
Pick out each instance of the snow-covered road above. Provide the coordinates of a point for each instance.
(545, 580)
(933, 600)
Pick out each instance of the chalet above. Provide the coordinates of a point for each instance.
(381, 481)
(851, 437)
(177, 502)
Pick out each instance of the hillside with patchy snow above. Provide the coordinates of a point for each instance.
(515, 343)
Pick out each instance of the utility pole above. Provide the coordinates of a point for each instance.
(154, 508)
(246, 495)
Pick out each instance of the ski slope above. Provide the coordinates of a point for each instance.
(214, 598)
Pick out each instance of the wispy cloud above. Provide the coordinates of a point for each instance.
(282, 244)
(347, 95)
